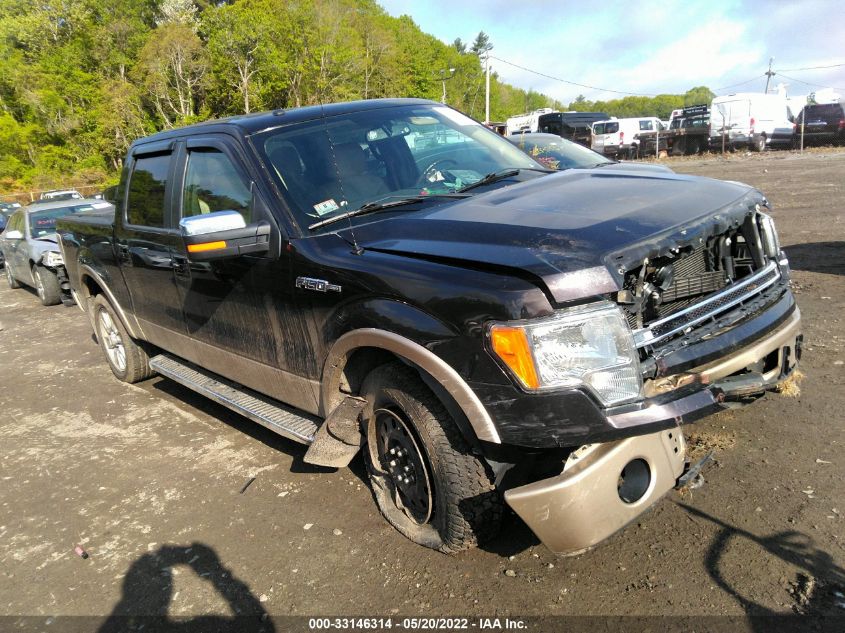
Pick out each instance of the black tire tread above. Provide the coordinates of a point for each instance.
(474, 506)
(50, 283)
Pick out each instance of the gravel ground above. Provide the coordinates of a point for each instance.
(148, 480)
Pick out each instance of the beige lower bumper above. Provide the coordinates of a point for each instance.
(582, 506)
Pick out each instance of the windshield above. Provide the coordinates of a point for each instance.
(44, 222)
(558, 153)
(331, 166)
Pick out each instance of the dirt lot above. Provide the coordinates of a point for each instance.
(148, 479)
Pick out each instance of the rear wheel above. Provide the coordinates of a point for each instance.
(759, 143)
(126, 358)
(47, 285)
(10, 278)
(425, 479)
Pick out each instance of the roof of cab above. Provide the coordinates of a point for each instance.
(248, 124)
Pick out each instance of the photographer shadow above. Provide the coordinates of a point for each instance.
(148, 591)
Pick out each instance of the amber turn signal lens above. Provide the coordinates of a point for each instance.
(208, 246)
(511, 345)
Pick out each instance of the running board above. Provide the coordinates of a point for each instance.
(286, 421)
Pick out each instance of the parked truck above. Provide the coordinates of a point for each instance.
(688, 133)
(484, 330)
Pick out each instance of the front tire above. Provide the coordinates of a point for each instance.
(126, 358)
(759, 144)
(47, 285)
(425, 479)
(14, 284)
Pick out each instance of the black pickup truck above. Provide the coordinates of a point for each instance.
(392, 277)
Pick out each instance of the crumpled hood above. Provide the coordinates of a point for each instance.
(50, 237)
(561, 224)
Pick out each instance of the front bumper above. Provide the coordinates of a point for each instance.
(582, 506)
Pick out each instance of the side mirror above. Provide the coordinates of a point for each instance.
(13, 235)
(221, 235)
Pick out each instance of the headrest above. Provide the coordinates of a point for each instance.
(350, 158)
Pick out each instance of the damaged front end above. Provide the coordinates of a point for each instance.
(715, 310)
(714, 323)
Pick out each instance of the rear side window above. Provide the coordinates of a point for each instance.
(646, 125)
(212, 183)
(147, 185)
(611, 128)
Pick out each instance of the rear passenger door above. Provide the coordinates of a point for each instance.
(145, 240)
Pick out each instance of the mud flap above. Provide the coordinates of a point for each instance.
(339, 438)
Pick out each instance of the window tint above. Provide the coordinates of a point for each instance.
(146, 191)
(213, 184)
(611, 128)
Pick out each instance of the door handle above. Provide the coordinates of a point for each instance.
(123, 254)
(180, 265)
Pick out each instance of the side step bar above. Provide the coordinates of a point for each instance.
(286, 421)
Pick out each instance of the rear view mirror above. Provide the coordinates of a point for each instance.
(388, 131)
(223, 234)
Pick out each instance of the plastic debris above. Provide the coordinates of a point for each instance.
(79, 551)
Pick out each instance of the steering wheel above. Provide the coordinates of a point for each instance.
(428, 173)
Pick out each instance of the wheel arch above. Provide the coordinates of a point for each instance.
(358, 352)
(92, 284)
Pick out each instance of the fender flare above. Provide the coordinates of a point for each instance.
(417, 355)
(130, 325)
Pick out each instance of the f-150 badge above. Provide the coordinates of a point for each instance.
(320, 285)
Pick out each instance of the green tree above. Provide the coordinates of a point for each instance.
(700, 95)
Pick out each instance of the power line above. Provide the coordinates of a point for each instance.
(812, 67)
(741, 83)
(807, 83)
(573, 83)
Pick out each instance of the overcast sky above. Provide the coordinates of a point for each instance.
(647, 47)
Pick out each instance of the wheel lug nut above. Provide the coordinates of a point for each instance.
(393, 462)
(393, 451)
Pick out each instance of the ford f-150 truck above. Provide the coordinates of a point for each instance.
(393, 278)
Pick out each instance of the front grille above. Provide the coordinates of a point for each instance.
(709, 307)
(672, 292)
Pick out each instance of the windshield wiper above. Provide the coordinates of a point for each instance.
(502, 174)
(380, 205)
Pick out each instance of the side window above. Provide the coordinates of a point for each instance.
(212, 183)
(646, 125)
(147, 184)
(15, 223)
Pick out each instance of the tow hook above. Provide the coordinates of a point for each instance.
(692, 478)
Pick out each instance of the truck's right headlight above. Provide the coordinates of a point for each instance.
(590, 346)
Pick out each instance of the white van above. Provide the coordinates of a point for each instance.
(751, 119)
(619, 136)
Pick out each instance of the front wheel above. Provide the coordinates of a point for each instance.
(126, 358)
(759, 143)
(425, 479)
(47, 285)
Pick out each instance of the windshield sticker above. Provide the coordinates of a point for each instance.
(454, 116)
(327, 206)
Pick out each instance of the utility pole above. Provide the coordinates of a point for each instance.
(487, 91)
(769, 74)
